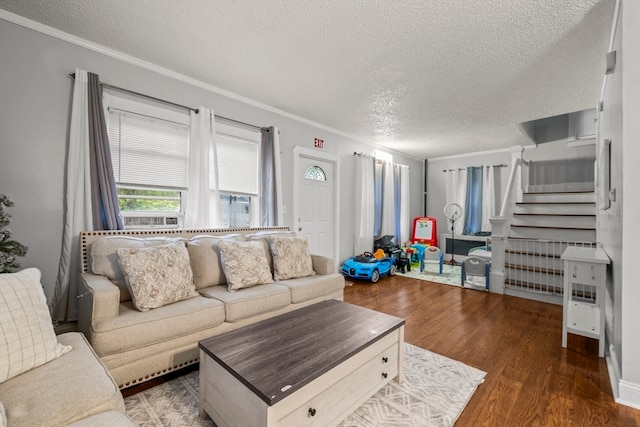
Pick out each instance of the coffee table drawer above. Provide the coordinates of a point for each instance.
(330, 406)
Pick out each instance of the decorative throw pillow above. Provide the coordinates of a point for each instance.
(264, 236)
(158, 275)
(27, 338)
(104, 259)
(291, 257)
(204, 255)
(244, 264)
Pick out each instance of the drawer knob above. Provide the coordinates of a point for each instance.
(384, 375)
(312, 412)
(385, 359)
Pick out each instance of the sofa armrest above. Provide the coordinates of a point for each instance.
(322, 265)
(98, 298)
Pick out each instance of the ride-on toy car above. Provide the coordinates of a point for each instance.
(367, 267)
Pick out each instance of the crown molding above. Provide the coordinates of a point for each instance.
(78, 41)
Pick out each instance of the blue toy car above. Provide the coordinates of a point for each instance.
(367, 267)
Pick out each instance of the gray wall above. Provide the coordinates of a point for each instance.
(436, 181)
(35, 99)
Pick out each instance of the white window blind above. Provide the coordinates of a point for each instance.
(148, 151)
(237, 165)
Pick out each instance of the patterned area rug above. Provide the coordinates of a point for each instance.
(434, 391)
(450, 274)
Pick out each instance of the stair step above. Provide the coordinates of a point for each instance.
(539, 261)
(556, 208)
(564, 234)
(555, 221)
(533, 268)
(534, 287)
(569, 197)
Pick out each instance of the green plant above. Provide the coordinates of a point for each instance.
(9, 249)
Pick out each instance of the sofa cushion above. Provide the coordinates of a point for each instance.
(133, 329)
(104, 259)
(250, 302)
(291, 257)
(72, 387)
(204, 254)
(308, 288)
(244, 264)
(28, 339)
(158, 275)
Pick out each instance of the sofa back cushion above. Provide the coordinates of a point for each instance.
(204, 253)
(104, 259)
(27, 339)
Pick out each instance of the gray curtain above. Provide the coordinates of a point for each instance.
(397, 185)
(104, 199)
(269, 176)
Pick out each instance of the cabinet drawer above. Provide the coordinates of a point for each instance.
(330, 405)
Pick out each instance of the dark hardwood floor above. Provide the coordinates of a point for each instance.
(531, 380)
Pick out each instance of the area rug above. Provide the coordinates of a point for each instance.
(434, 391)
(450, 274)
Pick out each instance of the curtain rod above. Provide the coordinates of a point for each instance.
(462, 169)
(121, 89)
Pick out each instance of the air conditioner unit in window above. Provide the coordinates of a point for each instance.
(147, 220)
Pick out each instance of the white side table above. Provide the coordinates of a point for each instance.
(584, 287)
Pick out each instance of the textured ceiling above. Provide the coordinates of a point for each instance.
(428, 78)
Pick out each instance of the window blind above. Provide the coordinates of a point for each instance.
(148, 151)
(237, 165)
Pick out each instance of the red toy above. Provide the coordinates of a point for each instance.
(425, 231)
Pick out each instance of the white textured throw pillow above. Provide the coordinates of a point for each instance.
(27, 338)
(244, 264)
(158, 275)
(291, 257)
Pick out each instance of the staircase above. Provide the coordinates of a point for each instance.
(541, 228)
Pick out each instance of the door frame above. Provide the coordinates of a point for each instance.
(299, 152)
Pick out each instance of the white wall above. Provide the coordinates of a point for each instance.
(35, 99)
(618, 226)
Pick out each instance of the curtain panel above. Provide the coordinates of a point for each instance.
(203, 206)
(364, 200)
(456, 192)
(270, 183)
(104, 197)
(91, 200)
(473, 201)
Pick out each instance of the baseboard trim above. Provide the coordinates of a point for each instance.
(629, 394)
(624, 392)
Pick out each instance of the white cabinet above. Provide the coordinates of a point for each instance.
(585, 274)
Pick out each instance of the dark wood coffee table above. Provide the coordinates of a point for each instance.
(312, 366)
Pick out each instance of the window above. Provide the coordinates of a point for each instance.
(238, 152)
(315, 173)
(150, 155)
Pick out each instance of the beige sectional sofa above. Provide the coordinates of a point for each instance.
(138, 345)
(49, 380)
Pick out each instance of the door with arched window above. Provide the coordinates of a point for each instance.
(317, 204)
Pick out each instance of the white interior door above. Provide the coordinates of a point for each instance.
(316, 201)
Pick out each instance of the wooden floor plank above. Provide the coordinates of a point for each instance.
(531, 380)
